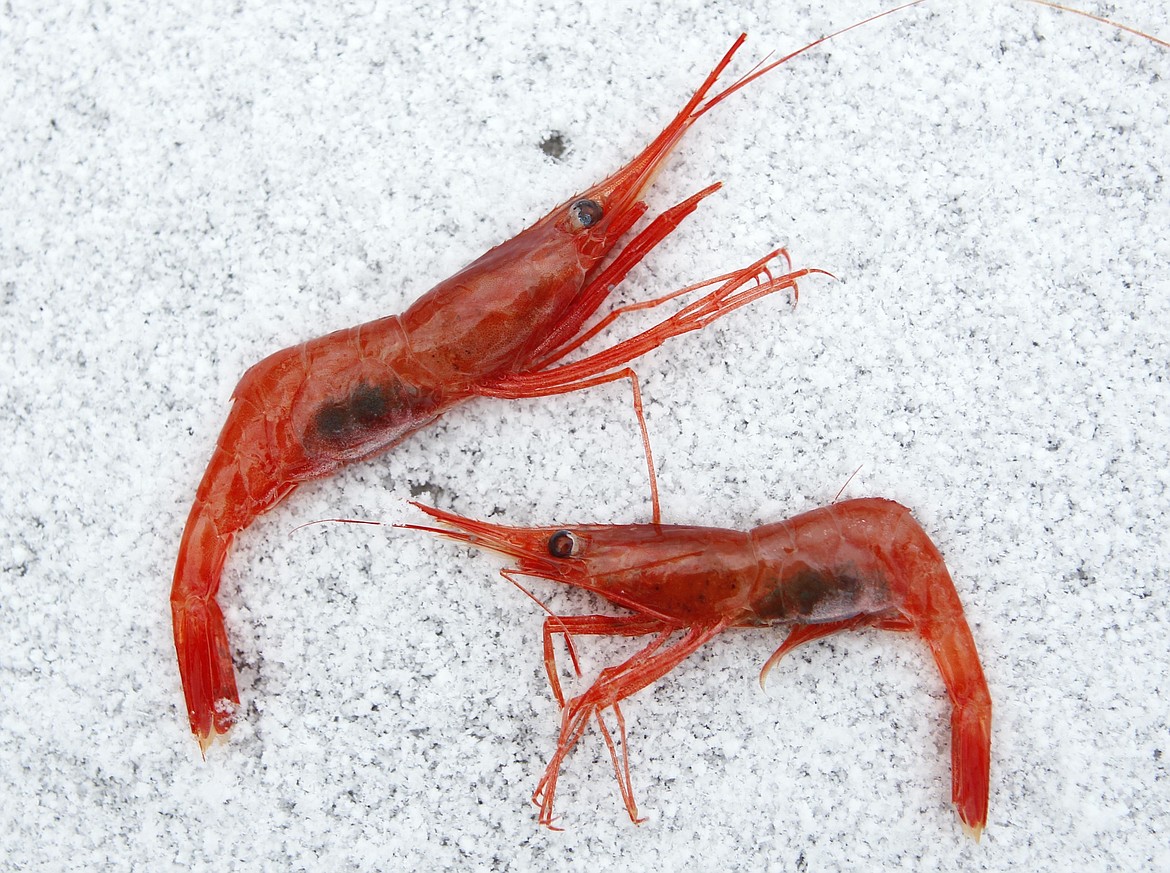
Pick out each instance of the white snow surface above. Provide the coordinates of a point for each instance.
(184, 192)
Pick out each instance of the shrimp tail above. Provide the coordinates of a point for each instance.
(205, 661)
(240, 483)
(970, 753)
(932, 607)
(954, 653)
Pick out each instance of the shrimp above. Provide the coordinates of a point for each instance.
(858, 563)
(494, 329)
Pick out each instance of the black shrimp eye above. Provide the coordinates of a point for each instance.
(585, 213)
(562, 544)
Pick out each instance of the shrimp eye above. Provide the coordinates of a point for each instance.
(585, 213)
(562, 544)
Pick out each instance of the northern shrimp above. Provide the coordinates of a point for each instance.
(498, 328)
(853, 564)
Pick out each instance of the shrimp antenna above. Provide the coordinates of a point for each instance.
(335, 521)
(761, 69)
(847, 481)
(1107, 21)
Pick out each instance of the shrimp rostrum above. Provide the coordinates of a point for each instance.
(858, 563)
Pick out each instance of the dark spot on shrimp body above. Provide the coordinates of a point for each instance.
(810, 595)
(368, 407)
(819, 596)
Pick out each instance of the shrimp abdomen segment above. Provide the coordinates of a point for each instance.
(342, 398)
(868, 562)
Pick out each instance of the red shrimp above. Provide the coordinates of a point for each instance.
(858, 563)
(494, 329)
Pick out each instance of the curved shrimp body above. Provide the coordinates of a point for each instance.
(869, 563)
(288, 424)
(848, 565)
(496, 328)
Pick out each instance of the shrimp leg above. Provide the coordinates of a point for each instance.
(613, 685)
(593, 370)
(595, 625)
(806, 633)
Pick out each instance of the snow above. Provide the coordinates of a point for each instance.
(182, 193)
